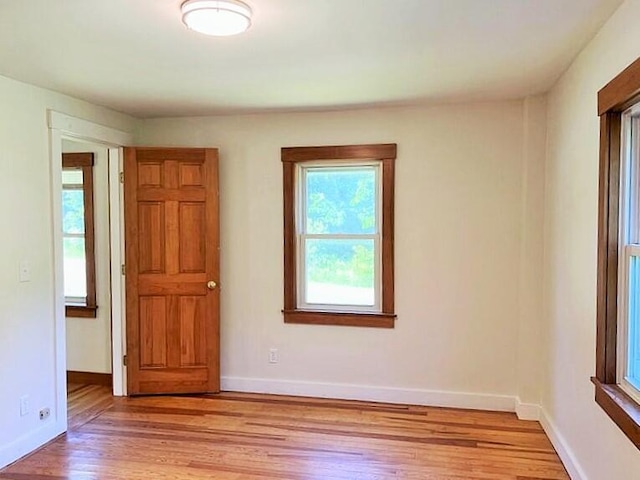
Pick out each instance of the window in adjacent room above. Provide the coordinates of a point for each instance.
(339, 235)
(617, 379)
(78, 235)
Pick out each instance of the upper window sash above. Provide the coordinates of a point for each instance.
(336, 166)
(630, 178)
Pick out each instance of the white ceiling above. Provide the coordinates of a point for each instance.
(136, 56)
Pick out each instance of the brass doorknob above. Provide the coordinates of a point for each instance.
(211, 285)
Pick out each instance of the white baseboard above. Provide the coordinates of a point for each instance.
(527, 411)
(564, 451)
(474, 401)
(28, 443)
(407, 396)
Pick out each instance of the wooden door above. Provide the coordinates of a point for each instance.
(172, 270)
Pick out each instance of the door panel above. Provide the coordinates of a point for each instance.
(192, 235)
(149, 174)
(172, 251)
(151, 241)
(193, 349)
(153, 331)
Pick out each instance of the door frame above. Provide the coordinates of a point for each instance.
(61, 127)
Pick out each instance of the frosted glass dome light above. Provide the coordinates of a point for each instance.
(216, 17)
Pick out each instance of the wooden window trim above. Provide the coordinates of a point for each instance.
(618, 95)
(386, 153)
(85, 162)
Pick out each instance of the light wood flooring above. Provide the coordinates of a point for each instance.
(259, 437)
(86, 402)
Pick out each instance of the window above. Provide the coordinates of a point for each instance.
(617, 379)
(629, 257)
(338, 229)
(77, 234)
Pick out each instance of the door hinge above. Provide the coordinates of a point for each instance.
(122, 269)
(124, 360)
(121, 177)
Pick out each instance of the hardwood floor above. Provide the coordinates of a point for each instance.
(257, 437)
(86, 402)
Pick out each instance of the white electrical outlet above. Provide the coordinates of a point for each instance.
(45, 413)
(24, 405)
(273, 355)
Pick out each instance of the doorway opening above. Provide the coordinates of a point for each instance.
(87, 286)
(89, 350)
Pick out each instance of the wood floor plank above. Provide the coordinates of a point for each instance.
(86, 402)
(235, 436)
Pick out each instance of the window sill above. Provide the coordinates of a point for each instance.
(622, 409)
(344, 319)
(80, 311)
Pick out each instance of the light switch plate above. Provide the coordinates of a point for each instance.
(25, 271)
(24, 405)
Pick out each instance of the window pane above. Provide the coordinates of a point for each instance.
(75, 270)
(341, 200)
(72, 211)
(633, 373)
(340, 272)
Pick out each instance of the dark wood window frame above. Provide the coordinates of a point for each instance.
(85, 162)
(615, 98)
(386, 153)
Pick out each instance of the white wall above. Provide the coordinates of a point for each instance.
(27, 361)
(599, 449)
(459, 221)
(89, 339)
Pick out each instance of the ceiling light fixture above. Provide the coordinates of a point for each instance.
(216, 17)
